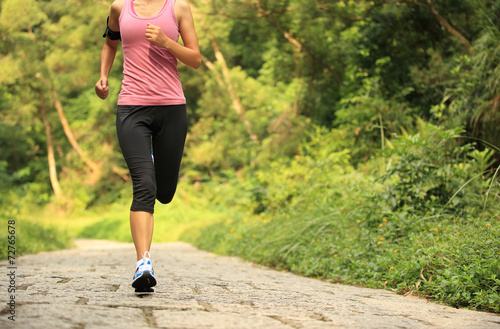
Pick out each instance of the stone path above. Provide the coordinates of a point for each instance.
(89, 287)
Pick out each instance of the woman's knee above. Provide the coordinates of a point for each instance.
(144, 193)
(165, 197)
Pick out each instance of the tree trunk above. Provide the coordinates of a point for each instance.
(95, 169)
(449, 28)
(227, 83)
(230, 89)
(50, 153)
(96, 172)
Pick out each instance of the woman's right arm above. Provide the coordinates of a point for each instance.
(108, 52)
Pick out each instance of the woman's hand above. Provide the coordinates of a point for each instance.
(155, 35)
(101, 88)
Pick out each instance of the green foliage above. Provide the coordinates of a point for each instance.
(472, 100)
(30, 237)
(108, 228)
(426, 172)
(14, 19)
(420, 230)
(370, 116)
(283, 182)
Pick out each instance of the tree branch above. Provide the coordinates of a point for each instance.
(296, 43)
(449, 28)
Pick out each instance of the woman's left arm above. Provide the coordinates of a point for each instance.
(189, 54)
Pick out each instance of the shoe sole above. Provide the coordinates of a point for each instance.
(145, 281)
(143, 290)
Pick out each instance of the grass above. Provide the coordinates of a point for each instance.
(454, 261)
(30, 237)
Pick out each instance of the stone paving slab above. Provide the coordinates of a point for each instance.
(89, 287)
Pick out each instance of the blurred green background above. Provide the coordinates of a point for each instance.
(355, 141)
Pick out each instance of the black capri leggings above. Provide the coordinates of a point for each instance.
(163, 126)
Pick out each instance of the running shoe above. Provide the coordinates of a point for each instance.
(144, 277)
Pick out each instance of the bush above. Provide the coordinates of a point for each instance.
(418, 229)
(428, 172)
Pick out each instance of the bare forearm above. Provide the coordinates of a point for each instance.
(189, 53)
(108, 54)
(184, 54)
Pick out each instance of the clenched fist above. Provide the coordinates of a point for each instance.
(155, 35)
(101, 88)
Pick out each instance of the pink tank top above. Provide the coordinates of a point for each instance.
(150, 75)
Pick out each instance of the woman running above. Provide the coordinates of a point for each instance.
(151, 112)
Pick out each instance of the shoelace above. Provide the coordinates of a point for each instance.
(146, 263)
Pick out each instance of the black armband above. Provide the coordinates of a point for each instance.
(112, 35)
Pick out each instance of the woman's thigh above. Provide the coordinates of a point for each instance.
(134, 130)
(169, 136)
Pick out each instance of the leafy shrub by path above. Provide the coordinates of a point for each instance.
(432, 171)
(421, 230)
(456, 263)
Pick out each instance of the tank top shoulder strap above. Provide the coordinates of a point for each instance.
(170, 5)
(127, 8)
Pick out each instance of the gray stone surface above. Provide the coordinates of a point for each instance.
(89, 287)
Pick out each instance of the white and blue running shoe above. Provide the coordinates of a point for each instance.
(144, 277)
